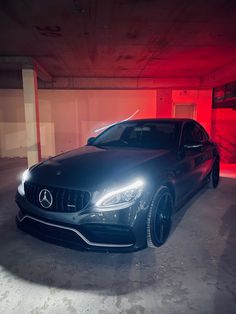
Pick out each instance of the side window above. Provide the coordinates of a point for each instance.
(200, 133)
(205, 135)
(194, 133)
(197, 134)
(188, 133)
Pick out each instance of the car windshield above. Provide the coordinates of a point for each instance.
(139, 134)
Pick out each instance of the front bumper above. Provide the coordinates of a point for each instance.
(121, 230)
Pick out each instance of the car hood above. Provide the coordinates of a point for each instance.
(90, 167)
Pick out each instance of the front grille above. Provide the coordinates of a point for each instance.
(64, 200)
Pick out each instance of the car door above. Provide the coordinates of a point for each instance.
(190, 164)
(206, 152)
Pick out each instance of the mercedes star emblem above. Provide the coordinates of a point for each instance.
(45, 198)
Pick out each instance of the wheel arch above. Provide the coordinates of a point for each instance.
(171, 188)
(167, 186)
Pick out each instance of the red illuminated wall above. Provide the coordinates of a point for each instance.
(224, 133)
(202, 100)
(164, 103)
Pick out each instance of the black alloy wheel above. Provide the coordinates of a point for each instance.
(215, 174)
(159, 218)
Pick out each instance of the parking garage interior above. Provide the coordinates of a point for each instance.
(69, 69)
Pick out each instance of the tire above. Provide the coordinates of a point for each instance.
(159, 218)
(215, 175)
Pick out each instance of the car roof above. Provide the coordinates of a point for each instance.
(178, 120)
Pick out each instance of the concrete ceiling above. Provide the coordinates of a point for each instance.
(121, 38)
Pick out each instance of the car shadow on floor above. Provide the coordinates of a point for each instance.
(42, 263)
(225, 292)
(178, 216)
(46, 264)
(39, 262)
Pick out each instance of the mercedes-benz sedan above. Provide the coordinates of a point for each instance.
(119, 191)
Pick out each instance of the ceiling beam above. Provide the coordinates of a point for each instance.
(42, 73)
(24, 62)
(118, 83)
(220, 76)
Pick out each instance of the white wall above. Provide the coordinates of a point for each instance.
(68, 117)
(12, 126)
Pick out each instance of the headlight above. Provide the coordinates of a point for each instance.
(126, 195)
(25, 177)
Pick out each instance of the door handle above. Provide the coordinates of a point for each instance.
(193, 145)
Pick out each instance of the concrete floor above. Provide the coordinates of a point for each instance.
(195, 272)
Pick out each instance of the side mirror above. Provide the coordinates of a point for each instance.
(90, 140)
(193, 145)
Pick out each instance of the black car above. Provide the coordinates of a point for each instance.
(120, 190)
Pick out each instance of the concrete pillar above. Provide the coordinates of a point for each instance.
(30, 90)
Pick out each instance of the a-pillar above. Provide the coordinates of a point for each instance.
(30, 90)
